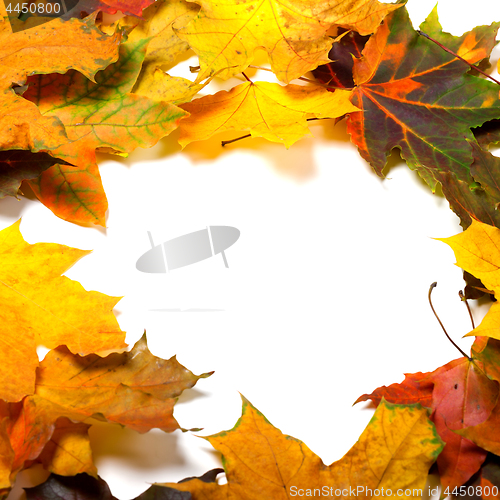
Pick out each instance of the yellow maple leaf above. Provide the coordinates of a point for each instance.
(393, 453)
(158, 20)
(477, 251)
(68, 452)
(164, 46)
(274, 112)
(160, 86)
(293, 32)
(39, 306)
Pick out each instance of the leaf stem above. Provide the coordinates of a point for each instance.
(223, 143)
(434, 285)
(464, 299)
(425, 35)
(246, 77)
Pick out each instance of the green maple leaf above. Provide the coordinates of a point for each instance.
(102, 115)
(482, 202)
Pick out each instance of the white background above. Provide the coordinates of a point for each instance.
(325, 297)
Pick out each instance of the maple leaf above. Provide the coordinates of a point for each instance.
(292, 32)
(394, 452)
(338, 73)
(127, 7)
(163, 47)
(81, 8)
(23, 127)
(68, 451)
(96, 115)
(416, 97)
(267, 110)
(416, 388)
(18, 165)
(134, 388)
(485, 434)
(161, 86)
(460, 394)
(487, 134)
(157, 23)
(483, 482)
(477, 251)
(74, 194)
(483, 200)
(39, 306)
(56, 46)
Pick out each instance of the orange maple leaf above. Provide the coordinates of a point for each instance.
(134, 388)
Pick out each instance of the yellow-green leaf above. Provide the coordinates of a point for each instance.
(477, 251)
(226, 34)
(394, 452)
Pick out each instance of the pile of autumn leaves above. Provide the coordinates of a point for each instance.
(452, 414)
(73, 88)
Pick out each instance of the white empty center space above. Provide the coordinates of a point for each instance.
(324, 297)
